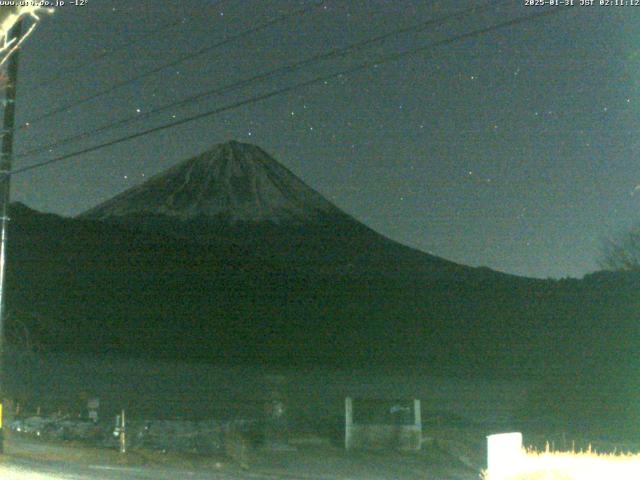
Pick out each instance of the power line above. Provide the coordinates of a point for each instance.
(164, 66)
(60, 75)
(256, 78)
(308, 83)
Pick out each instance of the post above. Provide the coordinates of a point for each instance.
(348, 423)
(123, 433)
(93, 404)
(417, 422)
(5, 196)
(276, 433)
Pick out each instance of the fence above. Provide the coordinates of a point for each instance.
(106, 425)
(383, 424)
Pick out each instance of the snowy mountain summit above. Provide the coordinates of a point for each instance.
(234, 182)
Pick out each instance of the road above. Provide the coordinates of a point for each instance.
(21, 469)
(46, 470)
(41, 461)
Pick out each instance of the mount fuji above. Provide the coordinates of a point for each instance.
(233, 182)
(238, 194)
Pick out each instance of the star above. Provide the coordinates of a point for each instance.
(522, 213)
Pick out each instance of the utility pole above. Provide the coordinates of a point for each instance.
(5, 195)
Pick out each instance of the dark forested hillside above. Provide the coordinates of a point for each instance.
(331, 294)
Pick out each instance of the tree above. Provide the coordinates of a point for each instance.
(622, 253)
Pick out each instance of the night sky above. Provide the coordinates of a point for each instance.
(516, 149)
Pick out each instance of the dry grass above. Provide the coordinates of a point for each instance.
(588, 465)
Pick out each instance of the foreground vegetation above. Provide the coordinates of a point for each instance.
(587, 465)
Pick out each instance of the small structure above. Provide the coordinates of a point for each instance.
(389, 424)
(93, 404)
(504, 455)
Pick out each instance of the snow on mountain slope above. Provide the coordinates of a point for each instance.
(235, 181)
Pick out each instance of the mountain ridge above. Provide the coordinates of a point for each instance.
(234, 181)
